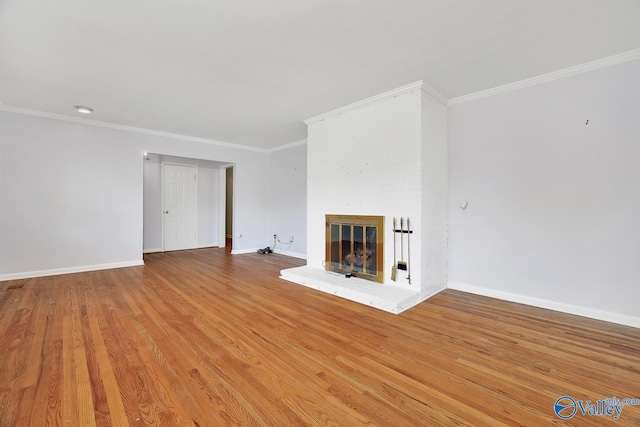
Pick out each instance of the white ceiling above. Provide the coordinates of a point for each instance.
(250, 71)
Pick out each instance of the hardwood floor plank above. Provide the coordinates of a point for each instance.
(70, 408)
(204, 338)
(103, 373)
(47, 407)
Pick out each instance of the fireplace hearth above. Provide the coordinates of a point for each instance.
(354, 244)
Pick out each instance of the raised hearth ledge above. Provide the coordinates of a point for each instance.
(393, 299)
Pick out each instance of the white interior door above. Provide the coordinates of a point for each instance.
(180, 207)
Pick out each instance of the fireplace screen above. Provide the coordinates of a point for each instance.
(354, 244)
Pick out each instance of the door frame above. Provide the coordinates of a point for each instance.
(222, 205)
(170, 163)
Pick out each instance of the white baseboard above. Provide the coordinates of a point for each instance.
(58, 271)
(548, 304)
(244, 251)
(291, 254)
(277, 251)
(155, 250)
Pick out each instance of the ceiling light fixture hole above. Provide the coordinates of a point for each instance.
(83, 110)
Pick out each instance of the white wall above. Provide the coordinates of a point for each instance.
(208, 204)
(208, 200)
(152, 204)
(554, 203)
(435, 186)
(286, 179)
(71, 196)
(75, 193)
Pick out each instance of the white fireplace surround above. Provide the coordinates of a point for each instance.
(391, 149)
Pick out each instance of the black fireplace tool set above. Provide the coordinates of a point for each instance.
(401, 264)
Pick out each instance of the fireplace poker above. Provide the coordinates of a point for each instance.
(402, 265)
(393, 269)
(408, 251)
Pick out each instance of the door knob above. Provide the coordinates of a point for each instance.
(165, 212)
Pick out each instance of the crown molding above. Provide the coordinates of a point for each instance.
(365, 102)
(555, 75)
(435, 93)
(287, 146)
(544, 78)
(62, 117)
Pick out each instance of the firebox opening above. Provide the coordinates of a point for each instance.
(355, 244)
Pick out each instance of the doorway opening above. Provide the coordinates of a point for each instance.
(228, 232)
(210, 197)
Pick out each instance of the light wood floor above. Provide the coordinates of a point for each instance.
(204, 338)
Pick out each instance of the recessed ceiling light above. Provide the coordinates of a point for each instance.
(83, 110)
